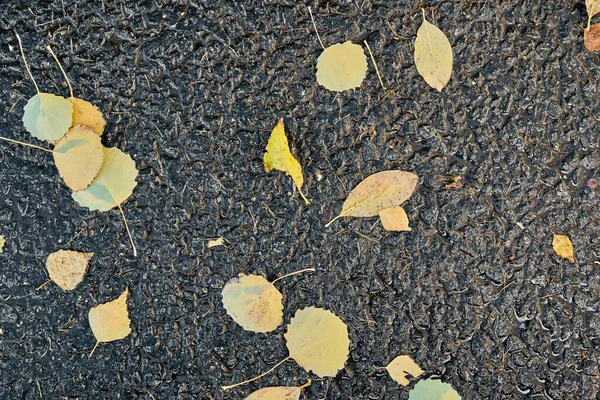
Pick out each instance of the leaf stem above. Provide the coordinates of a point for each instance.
(256, 377)
(303, 197)
(307, 384)
(333, 220)
(25, 144)
(294, 273)
(43, 284)
(375, 64)
(94, 349)
(128, 231)
(315, 25)
(27, 65)
(62, 70)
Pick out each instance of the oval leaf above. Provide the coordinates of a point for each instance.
(433, 389)
(401, 366)
(113, 185)
(433, 55)
(79, 155)
(318, 340)
(67, 268)
(253, 302)
(278, 393)
(85, 113)
(48, 117)
(342, 66)
(110, 321)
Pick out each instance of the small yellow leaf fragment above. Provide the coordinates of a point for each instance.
(216, 242)
(278, 156)
(110, 321)
(563, 246)
(317, 340)
(278, 393)
(78, 156)
(67, 268)
(253, 302)
(394, 219)
(2, 243)
(433, 55)
(342, 66)
(85, 113)
(401, 366)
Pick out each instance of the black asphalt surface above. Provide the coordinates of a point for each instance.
(192, 89)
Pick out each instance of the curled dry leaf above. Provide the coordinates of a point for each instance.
(79, 155)
(67, 268)
(216, 242)
(48, 117)
(394, 219)
(378, 192)
(278, 156)
(113, 185)
(591, 38)
(563, 246)
(278, 393)
(433, 55)
(433, 389)
(401, 366)
(253, 302)
(342, 66)
(317, 340)
(110, 321)
(85, 113)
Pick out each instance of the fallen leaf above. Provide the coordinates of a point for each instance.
(563, 246)
(377, 192)
(253, 302)
(215, 242)
(394, 219)
(279, 157)
(2, 243)
(48, 117)
(79, 155)
(110, 321)
(278, 393)
(85, 113)
(433, 55)
(591, 38)
(401, 366)
(342, 66)
(593, 8)
(67, 268)
(433, 389)
(113, 184)
(318, 341)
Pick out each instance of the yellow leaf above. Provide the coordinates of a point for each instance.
(253, 302)
(113, 185)
(67, 268)
(215, 242)
(278, 393)
(433, 55)
(377, 192)
(2, 243)
(279, 157)
(47, 117)
(85, 113)
(342, 66)
(563, 246)
(78, 156)
(401, 366)
(110, 321)
(318, 340)
(394, 219)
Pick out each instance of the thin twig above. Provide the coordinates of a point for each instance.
(25, 144)
(27, 65)
(294, 273)
(315, 25)
(43, 284)
(256, 377)
(375, 64)
(65, 74)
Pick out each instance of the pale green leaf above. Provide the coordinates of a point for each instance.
(433, 389)
(48, 117)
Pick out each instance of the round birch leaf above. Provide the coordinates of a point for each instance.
(110, 321)
(318, 340)
(342, 66)
(85, 113)
(253, 302)
(48, 117)
(433, 389)
(67, 268)
(113, 185)
(79, 156)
